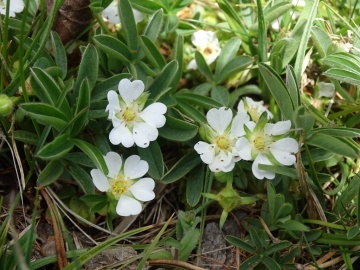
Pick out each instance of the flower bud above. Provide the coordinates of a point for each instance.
(6, 105)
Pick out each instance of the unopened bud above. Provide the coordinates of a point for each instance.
(6, 105)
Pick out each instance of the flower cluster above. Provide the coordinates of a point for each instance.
(133, 123)
(246, 136)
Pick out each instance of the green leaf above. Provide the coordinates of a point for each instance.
(101, 90)
(343, 75)
(188, 243)
(283, 245)
(154, 25)
(50, 173)
(161, 84)
(321, 40)
(45, 114)
(194, 184)
(190, 111)
(262, 39)
(93, 153)
(128, 24)
(26, 137)
(178, 55)
(203, 66)
(336, 145)
(44, 86)
(178, 130)
(236, 65)
(221, 94)
(300, 57)
(293, 86)
(293, 225)
(353, 232)
(152, 53)
(228, 53)
(338, 132)
(153, 156)
(82, 108)
(278, 90)
(59, 53)
(114, 47)
(182, 167)
(270, 263)
(81, 177)
(345, 198)
(200, 100)
(55, 149)
(283, 52)
(251, 262)
(344, 61)
(241, 244)
(88, 68)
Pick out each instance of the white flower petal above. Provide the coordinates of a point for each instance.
(202, 38)
(219, 119)
(130, 91)
(283, 151)
(134, 167)
(121, 135)
(221, 162)
(261, 174)
(278, 128)
(244, 148)
(100, 180)
(114, 162)
(143, 189)
(153, 114)
(139, 16)
(127, 206)
(250, 125)
(229, 167)
(16, 6)
(241, 107)
(206, 152)
(237, 126)
(192, 64)
(113, 106)
(111, 13)
(144, 133)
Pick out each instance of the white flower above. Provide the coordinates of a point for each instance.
(253, 108)
(222, 133)
(265, 144)
(207, 44)
(123, 183)
(133, 124)
(16, 6)
(111, 13)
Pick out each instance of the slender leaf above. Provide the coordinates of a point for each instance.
(50, 173)
(128, 24)
(194, 184)
(182, 167)
(154, 25)
(203, 66)
(114, 47)
(154, 158)
(82, 108)
(55, 149)
(59, 53)
(178, 130)
(227, 54)
(231, 68)
(93, 153)
(152, 53)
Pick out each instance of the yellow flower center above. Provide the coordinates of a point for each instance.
(129, 114)
(223, 142)
(261, 142)
(207, 51)
(120, 186)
